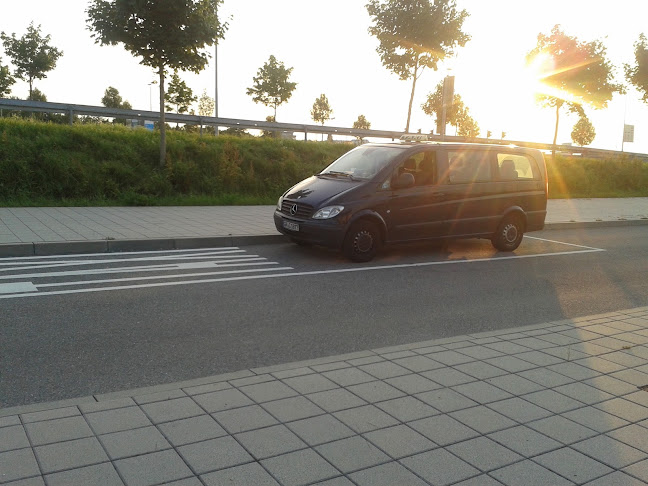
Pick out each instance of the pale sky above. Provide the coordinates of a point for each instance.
(327, 44)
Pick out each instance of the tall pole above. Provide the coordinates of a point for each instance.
(216, 84)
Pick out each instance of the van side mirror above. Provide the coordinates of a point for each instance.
(404, 181)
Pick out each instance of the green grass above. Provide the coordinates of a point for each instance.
(46, 164)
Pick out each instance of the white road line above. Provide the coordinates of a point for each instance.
(156, 277)
(147, 268)
(16, 287)
(296, 274)
(562, 243)
(156, 252)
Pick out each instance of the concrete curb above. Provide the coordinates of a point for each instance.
(53, 248)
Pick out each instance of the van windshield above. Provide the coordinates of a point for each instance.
(362, 162)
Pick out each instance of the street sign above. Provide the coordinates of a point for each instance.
(628, 133)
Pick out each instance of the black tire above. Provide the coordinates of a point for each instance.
(509, 233)
(362, 241)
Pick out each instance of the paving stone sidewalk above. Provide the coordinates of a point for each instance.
(559, 403)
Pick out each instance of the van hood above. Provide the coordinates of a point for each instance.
(318, 191)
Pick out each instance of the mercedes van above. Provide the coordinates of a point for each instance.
(382, 193)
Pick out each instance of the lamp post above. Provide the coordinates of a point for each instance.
(150, 99)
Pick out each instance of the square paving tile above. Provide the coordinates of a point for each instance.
(222, 400)
(407, 408)
(525, 441)
(385, 369)
(117, 420)
(443, 430)
(448, 376)
(13, 437)
(539, 358)
(100, 474)
(480, 370)
(528, 473)
(28, 418)
(451, 358)
(484, 453)
(625, 409)
(595, 419)
(57, 430)
(439, 467)
(18, 464)
(170, 410)
(247, 474)
(482, 419)
(294, 408)
(446, 400)
(155, 468)
(352, 454)
(514, 384)
(348, 376)
(400, 441)
(134, 442)
(634, 435)
(214, 454)
(301, 467)
(375, 391)
(611, 385)
(244, 419)
(419, 363)
(511, 363)
(617, 478)
(519, 410)
(639, 470)
(573, 465)
(320, 429)
(271, 441)
(194, 429)
(553, 401)
(334, 400)
(482, 392)
(70, 454)
(365, 419)
(310, 383)
(609, 451)
(412, 383)
(389, 474)
(561, 429)
(481, 480)
(583, 393)
(480, 352)
(545, 377)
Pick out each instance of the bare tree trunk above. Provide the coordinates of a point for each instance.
(411, 101)
(553, 149)
(162, 120)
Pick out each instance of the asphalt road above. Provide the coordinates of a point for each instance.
(80, 325)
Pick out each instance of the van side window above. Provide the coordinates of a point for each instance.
(469, 166)
(422, 166)
(513, 167)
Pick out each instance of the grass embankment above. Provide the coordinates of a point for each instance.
(56, 165)
(90, 165)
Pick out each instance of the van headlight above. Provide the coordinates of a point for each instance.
(328, 212)
(279, 203)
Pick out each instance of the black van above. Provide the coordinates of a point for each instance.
(397, 192)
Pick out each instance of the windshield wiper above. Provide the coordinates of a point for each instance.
(338, 173)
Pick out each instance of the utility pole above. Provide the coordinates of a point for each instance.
(216, 85)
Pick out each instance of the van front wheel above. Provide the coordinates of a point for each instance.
(509, 234)
(362, 241)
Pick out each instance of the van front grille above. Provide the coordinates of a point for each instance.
(304, 211)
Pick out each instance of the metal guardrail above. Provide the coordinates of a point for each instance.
(206, 121)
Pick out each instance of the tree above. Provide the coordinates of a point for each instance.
(179, 94)
(321, 111)
(457, 114)
(361, 123)
(637, 75)
(206, 104)
(416, 34)
(32, 55)
(573, 72)
(112, 99)
(166, 34)
(6, 80)
(583, 132)
(271, 86)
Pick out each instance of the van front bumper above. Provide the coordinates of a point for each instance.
(325, 232)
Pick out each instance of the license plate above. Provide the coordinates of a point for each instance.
(289, 225)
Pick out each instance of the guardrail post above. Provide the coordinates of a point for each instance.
(71, 116)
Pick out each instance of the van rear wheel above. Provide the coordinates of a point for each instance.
(362, 241)
(509, 233)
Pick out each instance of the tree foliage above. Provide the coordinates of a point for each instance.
(416, 34)
(321, 111)
(574, 73)
(271, 86)
(362, 123)
(165, 34)
(457, 114)
(179, 95)
(637, 74)
(583, 132)
(6, 80)
(206, 104)
(112, 99)
(32, 55)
